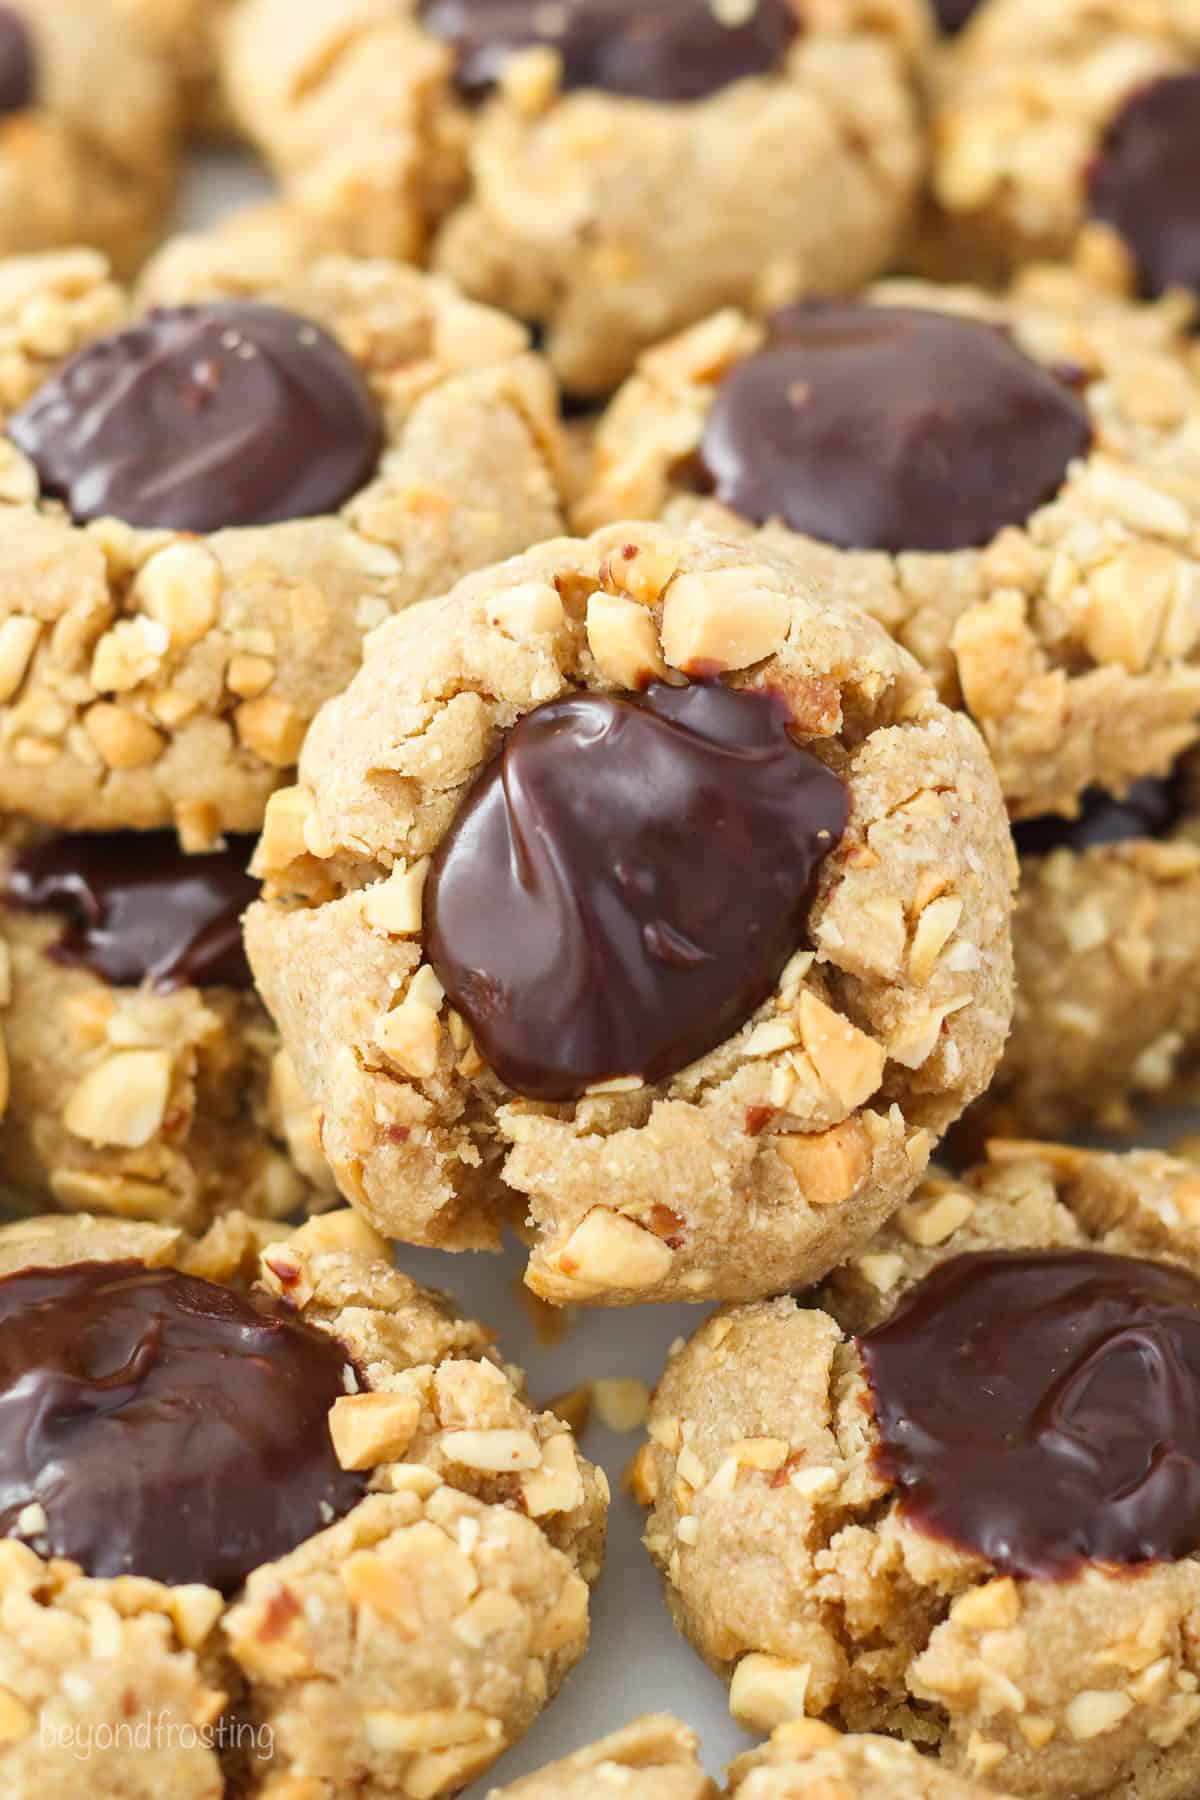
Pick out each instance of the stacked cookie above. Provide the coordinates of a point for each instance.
(620, 663)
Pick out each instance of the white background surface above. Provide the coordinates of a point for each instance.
(636, 1662)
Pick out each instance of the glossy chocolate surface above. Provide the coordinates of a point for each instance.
(626, 880)
(1151, 809)
(18, 65)
(890, 428)
(136, 908)
(675, 50)
(166, 1426)
(202, 417)
(1042, 1408)
(1145, 182)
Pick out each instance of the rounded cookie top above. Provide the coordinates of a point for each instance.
(805, 1757)
(488, 136)
(653, 1758)
(388, 1450)
(675, 53)
(140, 1075)
(754, 882)
(1106, 911)
(1066, 130)
(89, 154)
(212, 503)
(1010, 484)
(985, 1556)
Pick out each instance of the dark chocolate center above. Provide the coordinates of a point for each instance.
(1145, 182)
(18, 66)
(1151, 809)
(890, 428)
(646, 49)
(202, 417)
(626, 881)
(952, 15)
(1042, 1409)
(138, 909)
(165, 1426)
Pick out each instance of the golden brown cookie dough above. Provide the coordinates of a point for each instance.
(149, 674)
(1106, 944)
(164, 1100)
(606, 220)
(87, 129)
(1024, 100)
(185, 34)
(654, 1758)
(765, 1159)
(805, 1760)
(397, 1651)
(795, 1570)
(1073, 639)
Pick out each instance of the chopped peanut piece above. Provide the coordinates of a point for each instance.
(609, 1250)
(623, 638)
(830, 1166)
(282, 840)
(621, 1405)
(767, 1691)
(557, 1487)
(725, 619)
(393, 907)
(372, 1428)
(1095, 1711)
(124, 740)
(18, 640)
(931, 1221)
(848, 1062)
(271, 728)
(179, 588)
(122, 1101)
(529, 610)
(16, 1720)
(492, 1452)
(935, 928)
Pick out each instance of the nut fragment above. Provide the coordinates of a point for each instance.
(1095, 1711)
(621, 1405)
(372, 1428)
(122, 1101)
(848, 1062)
(249, 676)
(16, 1720)
(609, 1250)
(624, 641)
(271, 728)
(394, 906)
(410, 1035)
(829, 1166)
(767, 1691)
(932, 1220)
(492, 1452)
(935, 928)
(557, 1486)
(531, 609)
(282, 840)
(724, 619)
(18, 640)
(123, 738)
(195, 1609)
(179, 587)
(993, 1607)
